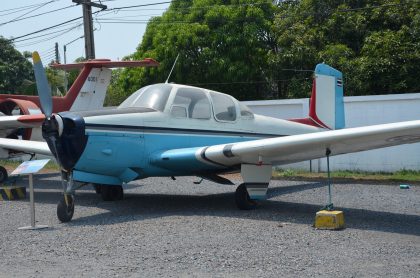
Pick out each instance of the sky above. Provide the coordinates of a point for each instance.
(118, 32)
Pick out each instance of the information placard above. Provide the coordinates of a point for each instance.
(30, 167)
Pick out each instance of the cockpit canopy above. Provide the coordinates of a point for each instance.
(188, 102)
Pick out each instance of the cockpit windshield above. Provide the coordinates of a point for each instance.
(154, 96)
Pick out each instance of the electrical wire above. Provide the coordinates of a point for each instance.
(47, 28)
(22, 8)
(19, 17)
(77, 25)
(36, 15)
(52, 37)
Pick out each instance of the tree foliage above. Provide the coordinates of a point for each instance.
(222, 45)
(15, 70)
(259, 49)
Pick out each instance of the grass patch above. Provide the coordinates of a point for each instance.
(402, 175)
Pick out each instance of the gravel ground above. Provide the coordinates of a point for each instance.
(178, 229)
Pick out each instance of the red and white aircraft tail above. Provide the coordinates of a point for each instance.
(326, 105)
(87, 93)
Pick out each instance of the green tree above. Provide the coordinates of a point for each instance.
(223, 45)
(15, 69)
(374, 43)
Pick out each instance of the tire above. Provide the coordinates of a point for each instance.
(3, 174)
(64, 212)
(97, 188)
(112, 192)
(242, 199)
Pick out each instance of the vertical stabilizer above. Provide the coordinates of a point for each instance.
(327, 104)
(92, 94)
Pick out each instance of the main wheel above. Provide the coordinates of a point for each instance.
(97, 188)
(112, 192)
(3, 174)
(65, 212)
(242, 199)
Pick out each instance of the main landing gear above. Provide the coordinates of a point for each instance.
(109, 192)
(242, 199)
(3, 174)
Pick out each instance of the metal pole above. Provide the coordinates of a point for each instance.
(330, 204)
(57, 57)
(31, 199)
(65, 73)
(32, 206)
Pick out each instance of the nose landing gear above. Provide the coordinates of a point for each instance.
(65, 208)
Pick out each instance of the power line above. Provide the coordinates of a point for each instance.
(36, 15)
(47, 28)
(46, 34)
(52, 37)
(74, 19)
(36, 8)
(22, 8)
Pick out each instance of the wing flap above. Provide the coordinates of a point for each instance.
(25, 146)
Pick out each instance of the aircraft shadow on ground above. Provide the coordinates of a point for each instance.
(137, 207)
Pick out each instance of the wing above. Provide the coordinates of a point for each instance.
(25, 146)
(22, 121)
(294, 148)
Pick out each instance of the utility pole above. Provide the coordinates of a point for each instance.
(88, 25)
(57, 55)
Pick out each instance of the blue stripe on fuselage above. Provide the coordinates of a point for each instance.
(111, 152)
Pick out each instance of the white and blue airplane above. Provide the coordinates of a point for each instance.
(177, 130)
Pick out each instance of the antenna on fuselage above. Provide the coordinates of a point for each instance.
(176, 59)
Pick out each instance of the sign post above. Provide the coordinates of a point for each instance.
(30, 168)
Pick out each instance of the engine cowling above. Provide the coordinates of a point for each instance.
(15, 107)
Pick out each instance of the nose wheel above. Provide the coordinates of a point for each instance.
(65, 208)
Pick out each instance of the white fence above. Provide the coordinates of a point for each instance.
(359, 111)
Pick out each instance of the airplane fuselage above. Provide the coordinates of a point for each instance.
(122, 144)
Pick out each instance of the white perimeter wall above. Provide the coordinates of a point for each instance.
(359, 111)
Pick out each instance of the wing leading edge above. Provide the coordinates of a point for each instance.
(295, 148)
(25, 146)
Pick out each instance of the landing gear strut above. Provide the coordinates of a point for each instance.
(242, 199)
(65, 207)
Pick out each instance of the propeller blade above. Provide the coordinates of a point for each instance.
(44, 90)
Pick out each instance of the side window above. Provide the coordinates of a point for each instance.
(224, 107)
(191, 103)
(246, 113)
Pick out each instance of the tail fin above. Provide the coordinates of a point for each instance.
(89, 88)
(92, 94)
(326, 105)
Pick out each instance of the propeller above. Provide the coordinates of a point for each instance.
(44, 90)
(64, 132)
(50, 127)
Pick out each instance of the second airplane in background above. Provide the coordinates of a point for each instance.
(21, 116)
